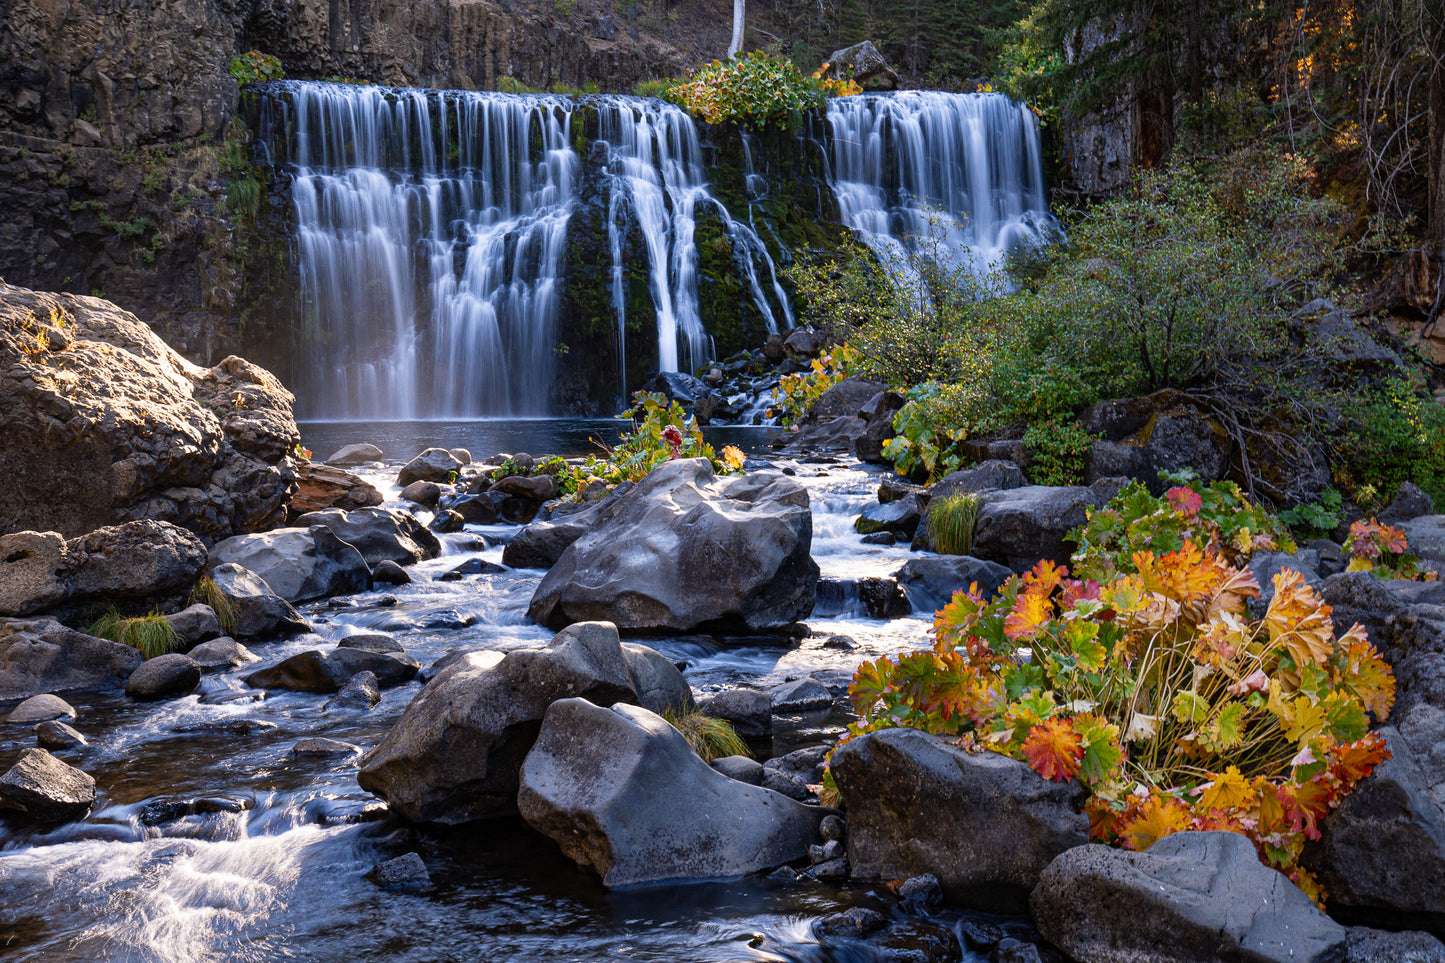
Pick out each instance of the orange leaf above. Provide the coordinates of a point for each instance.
(1229, 791)
(1160, 815)
(1054, 750)
(1030, 613)
(1354, 761)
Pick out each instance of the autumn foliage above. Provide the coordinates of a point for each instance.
(1157, 689)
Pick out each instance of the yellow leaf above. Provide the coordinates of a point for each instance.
(1360, 564)
(1229, 791)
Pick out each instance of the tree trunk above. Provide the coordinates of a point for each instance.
(740, 9)
(1436, 145)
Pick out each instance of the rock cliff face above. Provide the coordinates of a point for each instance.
(102, 423)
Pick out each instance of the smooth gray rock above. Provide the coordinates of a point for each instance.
(389, 572)
(40, 708)
(316, 746)
(749, 710)
(689, 549)
(195, 624)
(455, 753)
(537, 488)
(803, 765)
(34, 572)
(378, 533)
(542, 542)
(800, 695)
(1205, 896)
(1426, 535)
(987, 476)
(298, 564)
(423, 493)
(1365, 945)
(658, 683)
(477, 509)
(1409, 503)
(930, 583)
(41, 788)
(41, 655)
(260, 613)
(605, 785)
(164, 677)
(1023, 525)
(899, 517)
(56, 735)
(371, 642)
(221, 654)
(390, 668)
(310, 671)
(740, 768)
(360, 692)
(433, 465)
(350, 456)
(984, 824)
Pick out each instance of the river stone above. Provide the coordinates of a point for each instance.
(388, 572)
(800, 695)
(542, 543)
(164, 677)
(803, 765)
(194, 624)
(605, 784)
(42, 788)
(1365, 945)
(406, 872)
(537, 488)
(689, 549)
(658, 682)
(930, 583)
(317, 746)
(433, 465)
(740, 768)
(899, 517)
(1020, 526)
(221, 654)
(479, 509)
(349, 456)
(260, 612)
(1426, 535)
(984, 824)
(56, 735)
(41, 655)
(309, 671)
(41, 708)
(361, 691)
(321, 487)
(423, 493)
(371, 642)
(298, 564)
(750, 711)
(390, 668)
(1204, 895)
(455, 753)
(378, 533)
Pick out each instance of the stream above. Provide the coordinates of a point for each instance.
(211, 841)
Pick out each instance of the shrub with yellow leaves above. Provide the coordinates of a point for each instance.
(1383, 549)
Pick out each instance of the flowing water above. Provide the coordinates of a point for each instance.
(270, 863)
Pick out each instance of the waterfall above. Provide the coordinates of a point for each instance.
(920, 173)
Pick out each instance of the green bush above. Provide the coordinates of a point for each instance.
(928, 443)
(757, 90)
(951, 520)
(150, 635)
(254, 66)
(710, 738)
(1057, 452)
(207, 592)
(1395, 434)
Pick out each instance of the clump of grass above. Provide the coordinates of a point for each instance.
(950, 523)
(207, 592)
(710, 738)
(150, 635)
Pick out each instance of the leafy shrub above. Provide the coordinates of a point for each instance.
(1156, 691)
(151, 635)
(1395, 435)
(1316, 519)
(927, 444)
(254, 66)
(662, 431)
(1057, 452)
(757, 89)
(951, 520)
(798, 392)
(207, 592)
(655, 88)
(710, 738)
(1375, 547)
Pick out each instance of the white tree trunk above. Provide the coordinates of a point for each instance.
(740, 8)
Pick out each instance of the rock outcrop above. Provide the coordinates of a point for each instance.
(41, 655)
(298, 564)
(41, 788)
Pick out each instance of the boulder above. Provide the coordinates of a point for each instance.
(371, 642)
(40, 708)
(309, 671)
(317, 746)
(878, 414)
(930, 583)
(900, 517)
(389, 668)
(41, 655)
(802, 342)
(846, 398)
(388, 572)
(1409, 503)
(987, 476)
(195, 624)
(444, 522)
(537, 488)
(259, 612)
(678, 386)
(454, 754)
(349, 456)
(406, 873)
(864, 64)
(605, 785)
(1365, 945)
(687, 549)
(800, 695)
(483, 508)
(882, 598)
(740, 768)
(378, 533)
(1204, 895)
(984, 824)
(164, 677)
(804, 766)
(41, 788)
(1112, 459)
(748, 710)
(433, 465)
(298, 564)
(361, 691)
(57, 736)
(423, 493)
(1426, 535)
(34, 572)
(1023, 525)
(221, 654)
(542, 543)
(321, 486)
(110, 425)
(656, 680)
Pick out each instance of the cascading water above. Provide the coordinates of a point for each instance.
(924, 173)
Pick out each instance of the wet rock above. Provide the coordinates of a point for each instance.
(303, 672)
(688, 549)
(805, 765)
(389, 668)
(423, 493)
(841, 642)
(1010, 950)
(41, 655)
(371, 642)
(316, 746)
(749, 710)
(41, 788)
(195, 624)
(461, 455)
(863, 63)
(785, 784)
(361, 691)
(659, 683)
(677, 386)
(604, 784)
(221, 654)
(1206, 896)
(388, 572)
(444, 522)
(987, 476)
(980, 934)
(930, 583)
(56, 736)
(476, 509)
(158, 812)
(259, 612)
(984, 824)
(542, 543)
(40, 708)
(298, 564)
(856, 922)
(879, 538)
(1365, 945)
(164, 677)
(433, 465)
(832, 828)
(740, 768)
(455, 753)
(234, 727)
(1019, 527)
(349, 456)
(833, 869)
(472, 566)
(378, 533)
(537, 488)
(406, 873)
(1426, 535)
(800, 695)
(899, 517)
(320, 487)
(883, 598)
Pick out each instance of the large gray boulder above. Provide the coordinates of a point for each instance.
(319, 487)
(259, 612)
(41, 655)
(1426, 535)
(688, 549)
(41, 788)
(433, 465)
(164, 677)
(349, 456)
(378, 534)
(455, 753)
(606, 784)
(299, 564)
(542, 543)
(984, 824)
(930, 583)
(863, 63)
(1020, 526)
(1191, 897)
